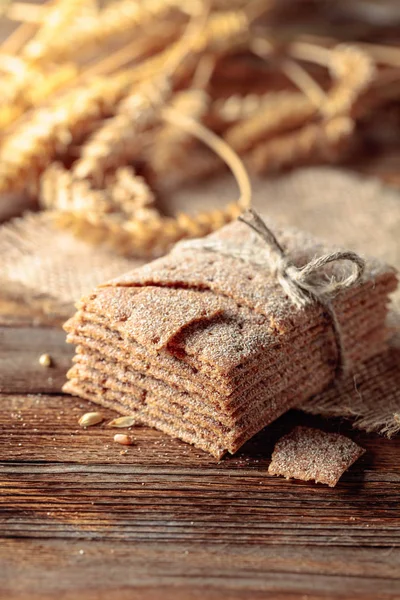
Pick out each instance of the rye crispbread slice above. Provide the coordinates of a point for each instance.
(311, 454)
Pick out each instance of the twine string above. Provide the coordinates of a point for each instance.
(302, 285)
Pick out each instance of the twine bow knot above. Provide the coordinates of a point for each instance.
(302, 285)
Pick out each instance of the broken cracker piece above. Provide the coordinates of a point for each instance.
(311, 454)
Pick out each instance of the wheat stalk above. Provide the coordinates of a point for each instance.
(353, 70)
(50, 131)
(117, 139)
(280, 112)
(153, 233)
(312, 143)
(170, 144)
(138, 237)
(54, 27)
(125, 195)
(98, 27)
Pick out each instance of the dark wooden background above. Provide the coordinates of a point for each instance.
(83, 518)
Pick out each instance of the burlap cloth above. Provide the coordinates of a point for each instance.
(46, 270)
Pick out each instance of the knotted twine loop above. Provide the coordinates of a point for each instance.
(301, 284)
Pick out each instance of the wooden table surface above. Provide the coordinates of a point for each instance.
(83, 519)
(80, 520)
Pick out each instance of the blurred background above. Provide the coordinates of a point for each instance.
(122, 120)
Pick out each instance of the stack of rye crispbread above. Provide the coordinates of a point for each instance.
(208, 348)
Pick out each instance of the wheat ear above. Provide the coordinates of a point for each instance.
(282, 112)
(145, 238)
(57, 22)
(353, 70)
(151, 236)
(314, 142)
(36, 87)
(170, 142)
(125, 196)
(115, 19)
(116, 141)
(224, 31)
(238, 107)
(230, 29)
(50, 131)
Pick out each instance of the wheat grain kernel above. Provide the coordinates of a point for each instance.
(122, 422)
(45, 360)
(123, 439)
(90, 418)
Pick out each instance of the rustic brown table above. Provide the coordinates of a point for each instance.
(81, 518)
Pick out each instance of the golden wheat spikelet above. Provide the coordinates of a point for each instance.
(16, 75)
(49, 131)
(314, 142)
(131, 227)
(99, 27)
(238, 107)
(169, 148)
(55, 26)
(125, 195)
(229, 4)
(144, 237)
(228, 30)
(224, 31)
(353, 70)
(131, 195)
(281, 112)
(54, 192)
(34, 89)
(117, 139)
(59, 191)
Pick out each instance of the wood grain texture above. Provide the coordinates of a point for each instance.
(153, 571)
(20, 349)
(79, 519)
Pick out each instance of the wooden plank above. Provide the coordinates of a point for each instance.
(80, 519)
(20, 349)
(96, 570)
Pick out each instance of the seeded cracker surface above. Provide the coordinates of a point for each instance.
(311, 454)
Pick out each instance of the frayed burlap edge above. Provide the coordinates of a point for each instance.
(369, 397)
